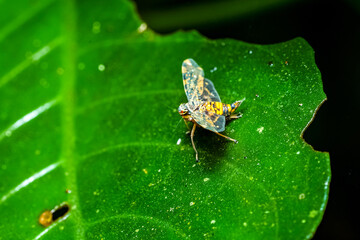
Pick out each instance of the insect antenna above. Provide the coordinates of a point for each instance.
(167, 106)
(177, 124)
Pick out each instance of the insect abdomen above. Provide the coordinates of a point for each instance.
(218, 108)
(230, 108)
(215, 107)
(222, 108)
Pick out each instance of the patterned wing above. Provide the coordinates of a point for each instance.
(193, 78)
(209, 120)
(209, 94)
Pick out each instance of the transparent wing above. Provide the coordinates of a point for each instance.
(209, 120)
(209, 94)
(193, 79)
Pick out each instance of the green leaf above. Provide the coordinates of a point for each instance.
(88, 100)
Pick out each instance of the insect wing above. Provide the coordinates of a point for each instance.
(193, 79)
(209, 94)
(209, 120)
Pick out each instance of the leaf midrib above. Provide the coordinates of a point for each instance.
(67, 92)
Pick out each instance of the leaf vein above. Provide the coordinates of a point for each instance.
(22, 18)
(29, 61)
(135, 216)
(29, 180)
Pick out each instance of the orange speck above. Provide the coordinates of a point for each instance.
(45, 218)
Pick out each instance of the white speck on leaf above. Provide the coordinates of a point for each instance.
(142, 28)
(302, 196)
(260, 129)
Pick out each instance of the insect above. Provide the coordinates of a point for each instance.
(204, 107)
(48, 217)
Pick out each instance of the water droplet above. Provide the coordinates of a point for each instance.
(101, 67)
(250, 51)
(44, 83)
(213, 222)
(142, 28)
(302, 196)
(178, 141)
(214, 69)
(313, 213)
(81, 66)
(60, 71)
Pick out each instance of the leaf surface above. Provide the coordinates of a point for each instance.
(89, 99)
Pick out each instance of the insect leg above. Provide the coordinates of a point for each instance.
(235, 141)
(187, 127)
(192, 141)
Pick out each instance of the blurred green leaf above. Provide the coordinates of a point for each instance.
(205, 12)
(88, 100)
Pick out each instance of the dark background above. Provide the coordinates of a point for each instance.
(332, 28)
